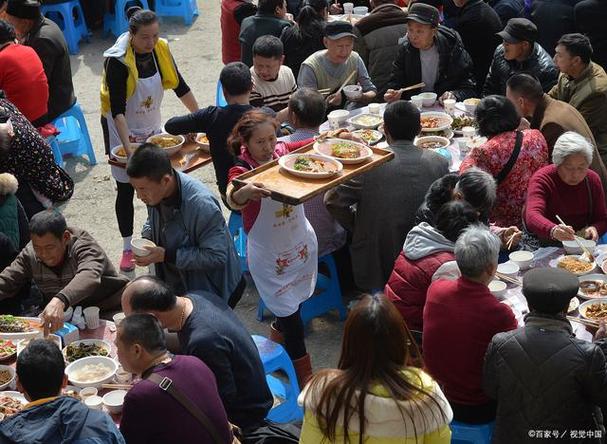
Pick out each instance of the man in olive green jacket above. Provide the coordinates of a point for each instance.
(583, 84)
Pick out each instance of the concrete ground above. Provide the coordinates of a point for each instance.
(197, 51)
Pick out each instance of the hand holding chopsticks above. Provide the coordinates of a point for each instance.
(587, 254)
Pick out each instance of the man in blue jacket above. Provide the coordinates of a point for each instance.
(194, 249)
(49, 417)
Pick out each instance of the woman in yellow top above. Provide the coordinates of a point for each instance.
(374, 396)
(137, 70)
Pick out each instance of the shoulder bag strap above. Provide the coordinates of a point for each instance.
(166, 384)
(501, 176)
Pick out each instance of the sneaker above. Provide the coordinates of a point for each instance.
(126, 263)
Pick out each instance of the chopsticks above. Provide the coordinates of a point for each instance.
(583, 321)
(581, 245)
(409, 88)
(325, 91)
(352, 74)
(117, 386)
(510, 241)
(505, 277)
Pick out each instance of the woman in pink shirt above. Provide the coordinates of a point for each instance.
(567, 189)
(511, 167)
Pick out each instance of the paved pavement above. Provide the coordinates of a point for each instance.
(197, 51)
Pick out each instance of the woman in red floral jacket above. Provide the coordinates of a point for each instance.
(498, 121)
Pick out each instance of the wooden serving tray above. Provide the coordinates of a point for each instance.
(294, 190)
(186, 160)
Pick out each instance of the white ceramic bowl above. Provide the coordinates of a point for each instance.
(508, 268)
(471, 105)
(88, 392)
(523, 259)
(498, 288)
(365, 121)
(11, 380)
(572, 247)
(80, 363)
(113, 401)
(138, 246)
(443, 141)
(353, 92)
(340, 115)
(94, 402)
(428, 98)
(119, 157)
(170, 150)
(203, 142)
(360, 10)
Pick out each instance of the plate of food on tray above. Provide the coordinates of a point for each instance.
(8, 349)
(593, 286)
(168, 142)
(365, 121)
(433, 121)
(344, 151)
(310, 166)
(370, 136)
(11, 402)
(594, 310)
(16, 327)
(574, 264)
(86, 347)
(460, 122)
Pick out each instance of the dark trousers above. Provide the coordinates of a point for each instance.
(292, 329)
(474, 414)
(31, 205)
(125, 210)
(237, 293)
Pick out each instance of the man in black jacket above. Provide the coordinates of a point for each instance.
(431, 54)
(45, 37)
(478, 24)
(542, 376)
(590, 21)
(519, 53)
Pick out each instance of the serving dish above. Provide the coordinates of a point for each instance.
(345, 151)
(300, 165)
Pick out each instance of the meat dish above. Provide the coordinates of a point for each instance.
(9, 406)
(431, 145)
(345, 150)
(596, 311)
(431, 122)
(7, 349)
(12, 324)
(311, 165)
(593, 289)
(5, 376)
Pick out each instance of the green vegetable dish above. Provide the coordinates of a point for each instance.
(82, 350)
(12, 324)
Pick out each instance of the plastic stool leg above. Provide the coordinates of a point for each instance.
(85, 139)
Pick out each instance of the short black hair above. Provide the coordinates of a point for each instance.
(526, 86)
(236, 79)
(268, 46)
(577, 44)
(454, 217)
(496, 115)
(143, 329)
(269, 6)
(40, 368)
(156, 295)
(151, 161)
(309, 106)
(7, 32)
(401, 120)
(439, 193)
(48, 221)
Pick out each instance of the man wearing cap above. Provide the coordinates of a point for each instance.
(519, 53)
(432, 54)
(330, 68)
(541, 375)
(45, 37)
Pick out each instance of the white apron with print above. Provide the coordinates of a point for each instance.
(283, 256)
(142, 116)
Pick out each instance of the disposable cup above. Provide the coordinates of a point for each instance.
(469, 131)
(374, 108)
(348, 8)
(117, 318)
(417, 101)
(449, 105)
(91, 316)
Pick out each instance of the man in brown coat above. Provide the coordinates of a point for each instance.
(551, 117)
(68, 267)
(583, 84)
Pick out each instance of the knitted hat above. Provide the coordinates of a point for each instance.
(549, 290)
(24, 9)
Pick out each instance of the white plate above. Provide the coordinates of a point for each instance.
(100, 342)
(15, 395)
(591, 277)
(286, 163)
(377, 135)
(554, 263)
(36, 333)
(447, 121)
(583, 306)
(355, 121)
(365, 151)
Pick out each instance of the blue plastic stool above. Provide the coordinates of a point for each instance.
(74, 136)
(240, 242)
(220, 99)
(274, 358)
(177, 8)
(70, 19)
(117, 23)
(326, 297)
(52, 141)
(471, 433)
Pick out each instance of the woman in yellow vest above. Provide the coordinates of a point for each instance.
(138, 68)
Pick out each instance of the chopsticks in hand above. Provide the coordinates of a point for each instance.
(587, 254)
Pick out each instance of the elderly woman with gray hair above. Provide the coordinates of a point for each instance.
(567, 188)
(466, 310)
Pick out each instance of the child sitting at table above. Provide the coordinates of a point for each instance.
(273, 82)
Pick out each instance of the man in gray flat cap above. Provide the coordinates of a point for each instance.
(542, 376)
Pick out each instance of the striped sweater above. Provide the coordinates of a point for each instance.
(274, 94)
